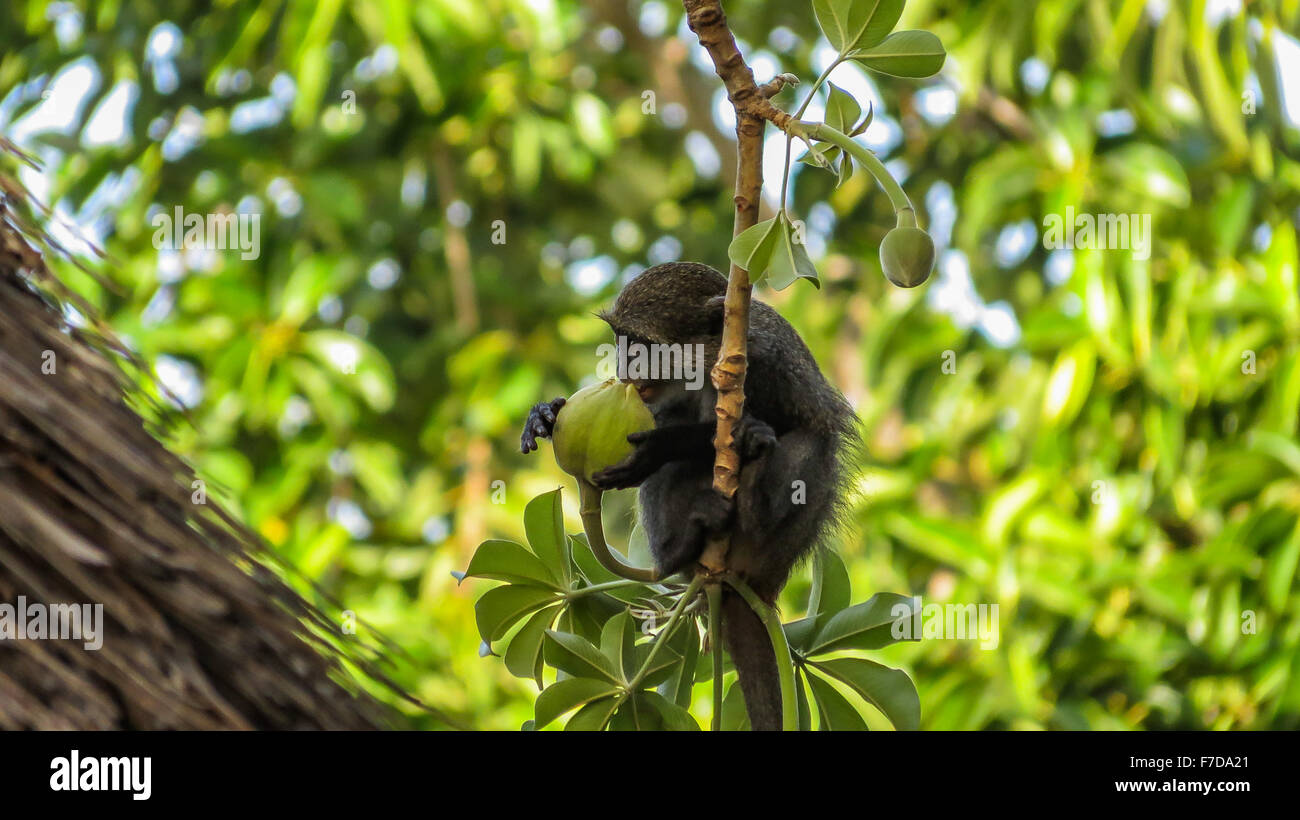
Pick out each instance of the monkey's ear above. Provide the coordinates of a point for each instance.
(714, 311)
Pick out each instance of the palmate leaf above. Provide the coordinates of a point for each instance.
(617, 642)
(889, 690)
(579, 657)
(664, 666)
(834, 712)
(869, 625)
(651, 712)
(524, 654)
(568, 694)
(677, 687)
(594, 716)
(508, 561)
(801, 701)
(856, 24)
(734, 716)
(831, 591)
(503, 607)
(675, 718)
(913, 54)
(544, 527)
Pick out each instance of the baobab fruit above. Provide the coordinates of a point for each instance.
(907, 256)
(592, 427)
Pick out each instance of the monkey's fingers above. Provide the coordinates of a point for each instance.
(533, 430)
(618, 477)
(548, 411)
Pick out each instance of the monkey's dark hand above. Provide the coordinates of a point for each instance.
(540, 423)
(754, 438)
(637, 467)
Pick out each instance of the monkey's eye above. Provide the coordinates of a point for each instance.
(648, 391)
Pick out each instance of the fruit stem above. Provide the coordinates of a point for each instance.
(590, 495)
(822, 131)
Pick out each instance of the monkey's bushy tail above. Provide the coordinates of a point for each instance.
(751, 652)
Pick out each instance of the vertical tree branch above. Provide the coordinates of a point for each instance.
(706, 19)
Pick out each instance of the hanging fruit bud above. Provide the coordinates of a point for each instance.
(592, 427)
(907, 254)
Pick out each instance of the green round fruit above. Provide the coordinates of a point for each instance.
(592, 427)
(907, 256)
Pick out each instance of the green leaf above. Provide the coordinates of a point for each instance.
(566, 695)
(905, 54)
(789, 260)
(734, 716)
(524, 655)
(861, 127)
(675, 717)
(593, 716)
(856, 24)
(834, 712)
(889, 690)
(662, 668)
(686, 643)
(508, 561)
(868, 625)
(544, 527)
(753, 248)
(501, 608)
(617, 639)
(578, 657)
(799, 633)
(588, 615)
(842, 111)
(831, 590)
(801, 701)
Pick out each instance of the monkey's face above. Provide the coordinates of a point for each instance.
(651, 392)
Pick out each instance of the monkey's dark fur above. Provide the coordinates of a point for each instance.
(796, 428)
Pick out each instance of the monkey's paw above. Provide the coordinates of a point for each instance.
(631, 471)
(540, 423)
(754, 438)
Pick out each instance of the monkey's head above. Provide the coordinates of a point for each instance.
(677, 303)
(668, 304)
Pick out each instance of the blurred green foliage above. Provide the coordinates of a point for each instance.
(1119, 472)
